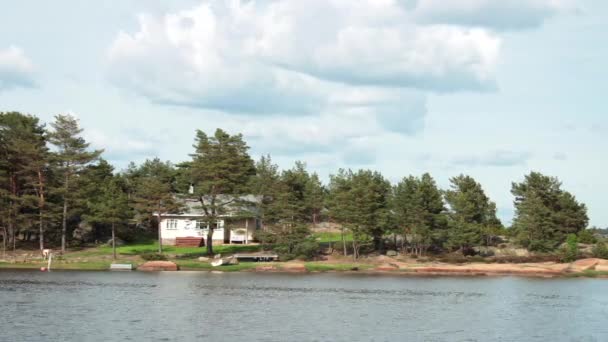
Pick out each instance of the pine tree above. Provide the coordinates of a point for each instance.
(221, 165)
(339, 202)
(154, 198)
(419, 211)
(87, 188)
(73, 155)
(22, 171)
(470, 212)
(544, 213)
(314, 195)
(111, 208)
(266, 184)
(360, 201)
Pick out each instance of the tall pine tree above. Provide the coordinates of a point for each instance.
(419, 211)
(221, 165)
(544, 213)
(73, 155)
(111, 208)
(470, 212)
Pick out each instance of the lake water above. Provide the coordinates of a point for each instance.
(198, 306)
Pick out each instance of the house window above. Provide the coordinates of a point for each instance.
(200, 224)
(171, 224)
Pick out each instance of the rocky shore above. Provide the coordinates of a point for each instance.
(591, 267)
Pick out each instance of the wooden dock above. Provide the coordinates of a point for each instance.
(121, 267)
(256, 257)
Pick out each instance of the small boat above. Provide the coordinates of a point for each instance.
(231, 260)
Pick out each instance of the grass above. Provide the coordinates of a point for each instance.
(588, 274)
(152, 247)
(326, 237)
(85, 266)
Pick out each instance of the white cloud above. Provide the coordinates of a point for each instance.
(16, 69)
(323, 76)
(270, 56)
(496, 14)
(498, 158)
(124, 146)
(373, 43)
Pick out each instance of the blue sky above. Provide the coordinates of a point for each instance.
(489, 88)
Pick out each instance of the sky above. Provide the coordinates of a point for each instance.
(492, 89)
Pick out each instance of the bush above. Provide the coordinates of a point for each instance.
(153, 256)
(306, 249)
(600, 251)
(514, 259)
(586, 236)
(569, 252)
(290, 242)
(542, 246)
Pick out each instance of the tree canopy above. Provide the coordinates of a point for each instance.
(56, 190)
(545, 213)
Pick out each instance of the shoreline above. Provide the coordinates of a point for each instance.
(588, 268)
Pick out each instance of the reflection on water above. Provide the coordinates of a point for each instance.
(193, 306)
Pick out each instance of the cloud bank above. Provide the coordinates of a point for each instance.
(16, 69)
(319, 72)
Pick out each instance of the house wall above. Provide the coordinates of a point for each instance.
(241, 225)
(186, 227)
(226, 233)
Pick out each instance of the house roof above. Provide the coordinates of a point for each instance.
(244, 206)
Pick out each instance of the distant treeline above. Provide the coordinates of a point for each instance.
(55, 189)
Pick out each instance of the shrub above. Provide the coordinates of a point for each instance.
(600, 250)
(586, 236)
(290, 242)
(569, 252)
(153, 256)
(306, 249)
(514, 259)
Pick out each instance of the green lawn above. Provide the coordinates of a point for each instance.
(326, 237)
(65, 265)
(152, 247)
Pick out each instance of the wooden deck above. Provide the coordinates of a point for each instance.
(189, 241)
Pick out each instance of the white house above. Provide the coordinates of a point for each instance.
(236, 225)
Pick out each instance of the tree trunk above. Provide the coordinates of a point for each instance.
(13, 237)
(3, 243)
(41, 202)
(344, 242)
(64, 224)
(40, 231)
(209, 241)
(160, 237)
(114, 242)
